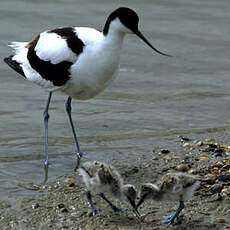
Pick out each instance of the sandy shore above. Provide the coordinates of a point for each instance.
(61, 204)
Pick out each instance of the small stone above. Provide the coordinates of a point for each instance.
(72, 207)
(208, 140)
(182, 168)
(209, 148)
(69, 180)
(35, 206)
(192, 171)
(226, 191)
(168, 157)
(183, 139)
(213, 145)
(164, 151)
(209, 179)
(71, 185)
(217, 154)
(220, 220)
(64, 210)
(215, 170)
(186, 158)
(187, 145)
(201, 191)
(199, 143)
(61, 206)
(224, 178)
(219, 164)
(204, 158)
(225, 168)
(216, 188)
(89, 213)
(165, 169)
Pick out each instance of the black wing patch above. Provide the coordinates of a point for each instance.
(74, 43)
(59, 73)
(14, 65)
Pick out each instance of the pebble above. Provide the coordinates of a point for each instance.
(192, 171)
(186, 158)
(216, 188)
(61, 206)
(224, 178)
(183, 138)
(71, 185)
(186, 145)
(35, 206)
(204, 158)
(213, 145)
(199, 143)
(217, 154)
(182, 168)
(69, 180)
(220, 220)
(209, 179)
(164, 151)
(219, 164)
(225, 168)
(226, 191)
(165, 169)
(64, 210)
(215, 170)
(72, 207)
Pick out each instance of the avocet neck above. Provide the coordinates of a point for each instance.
(102, 61)
(115, 35)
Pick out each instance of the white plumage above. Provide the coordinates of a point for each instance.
(91, 71)
(52, 47)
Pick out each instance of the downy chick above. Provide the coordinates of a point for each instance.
(101, 178)
(172, 187)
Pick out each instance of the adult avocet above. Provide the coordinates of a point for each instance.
(78, 61)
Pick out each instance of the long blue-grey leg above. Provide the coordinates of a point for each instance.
(114, 207)
(79, 152)
(89, 198)
(170, 219)
(46, 118)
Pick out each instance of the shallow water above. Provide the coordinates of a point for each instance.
(154, 99)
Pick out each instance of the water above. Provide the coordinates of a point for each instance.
(154, 99)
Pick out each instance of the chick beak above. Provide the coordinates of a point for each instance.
(132, 202)
(139, 203)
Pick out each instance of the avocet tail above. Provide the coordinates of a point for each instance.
(14, 65)
(17, 46)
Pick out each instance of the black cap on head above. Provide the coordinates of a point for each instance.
(128, 18)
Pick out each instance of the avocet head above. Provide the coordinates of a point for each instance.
(125, 20)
